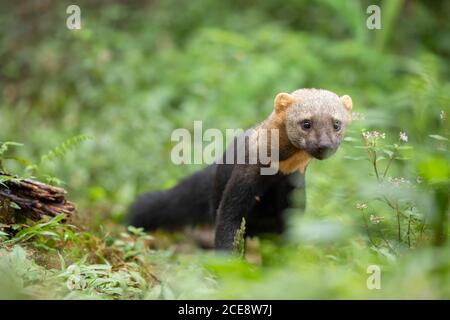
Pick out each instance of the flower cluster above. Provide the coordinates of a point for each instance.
(375, 135)
(397, 182)
(376, 219)
(403, 137)
(372, 137)
(358, 116)
(361, 206)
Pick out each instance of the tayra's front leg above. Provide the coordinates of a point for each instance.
(238, 199)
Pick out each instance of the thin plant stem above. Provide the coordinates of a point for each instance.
(388, 202)
(398, 224)
(368, 230)
(373, 159)
(389, 163)
(387, 242)
(375, 166)
(409, 231)
(422, 230)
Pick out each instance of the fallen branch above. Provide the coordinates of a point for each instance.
(34, 199)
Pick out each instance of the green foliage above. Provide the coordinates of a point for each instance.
(239, 240)
(131, 248)
(18, 273)
(100, 280)
(61, 150)
(45, 233)
(57, 152)
(4, 147)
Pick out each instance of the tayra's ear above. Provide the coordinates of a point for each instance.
(283, 101)
(347, 102)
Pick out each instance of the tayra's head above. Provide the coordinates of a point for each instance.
(315, 119)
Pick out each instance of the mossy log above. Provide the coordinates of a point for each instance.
(33, 199)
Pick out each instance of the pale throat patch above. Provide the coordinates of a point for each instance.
(298, 161)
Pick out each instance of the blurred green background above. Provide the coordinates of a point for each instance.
(137, 70)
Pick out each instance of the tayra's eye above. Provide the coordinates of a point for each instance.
(306, 124)
(337, 125)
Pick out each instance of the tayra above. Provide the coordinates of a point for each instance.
(311, 123)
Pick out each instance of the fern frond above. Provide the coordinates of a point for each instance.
(68, 145)
(4, 146)
(239, 240)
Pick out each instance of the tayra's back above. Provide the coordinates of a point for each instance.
(188, 203)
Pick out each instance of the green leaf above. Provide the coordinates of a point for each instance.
(22, 161)
(354, 158)
(4, 234)
(438, 137)
(388, 152)
(14, 205)
(4, 146)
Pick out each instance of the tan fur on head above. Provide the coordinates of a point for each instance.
(347, 102)
(283, 101)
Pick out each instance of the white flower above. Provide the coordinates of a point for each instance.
(373, 136)
(358, 116)
(403, 137)
(376, 219)
(442, 115)
(361, 206)
(397, 182)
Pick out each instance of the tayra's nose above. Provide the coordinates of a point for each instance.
(322, 151)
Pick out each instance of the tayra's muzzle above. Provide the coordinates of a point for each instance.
(322, 151)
